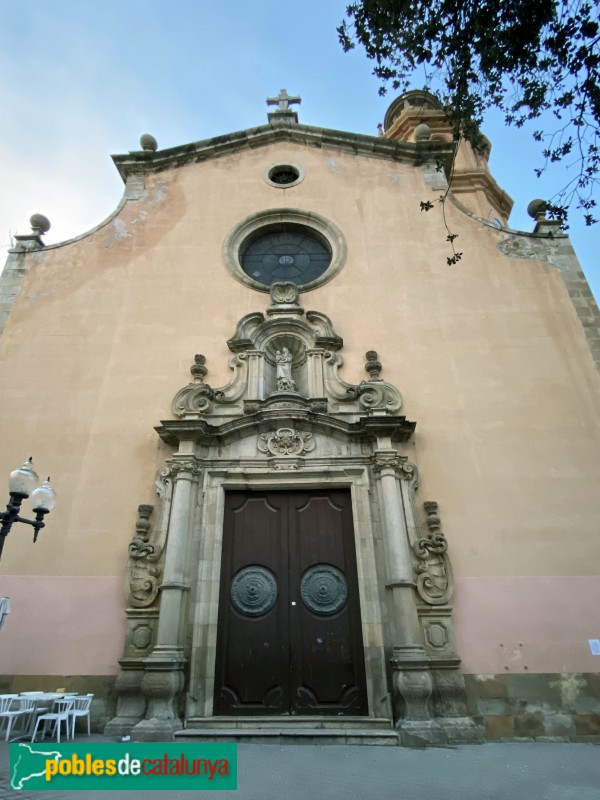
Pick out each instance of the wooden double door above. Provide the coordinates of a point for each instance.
(289, 636)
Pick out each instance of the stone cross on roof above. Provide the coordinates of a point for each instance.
(283, 101)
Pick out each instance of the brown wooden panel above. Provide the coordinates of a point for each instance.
(252, 668)
(298, 657)
(327, 661)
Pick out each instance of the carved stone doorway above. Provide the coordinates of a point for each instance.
(289, 637)
(286, 425)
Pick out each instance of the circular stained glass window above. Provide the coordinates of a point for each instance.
(285, 253)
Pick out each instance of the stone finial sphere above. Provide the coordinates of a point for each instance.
(536, 207)
(148, 142)
(422, 133)
(39, 223)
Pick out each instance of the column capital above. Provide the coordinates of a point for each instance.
(391, 463)
(186, 468)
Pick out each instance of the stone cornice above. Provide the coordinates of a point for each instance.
(365, 429)
(145, 162)
(469, 181)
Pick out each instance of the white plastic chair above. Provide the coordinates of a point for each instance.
(10, 709)
(28, 707)
(81, 708)
(60, 713)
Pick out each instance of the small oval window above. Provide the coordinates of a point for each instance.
(283, 176)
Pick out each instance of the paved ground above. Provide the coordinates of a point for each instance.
(484, 772)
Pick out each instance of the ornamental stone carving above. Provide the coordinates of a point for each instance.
(143, 570)
(286, 442)
(141, 637)
(415, 686)
(283, 359)
(199, 398)
(130, 703)
(373, 366)
(399, 464)
(372, 395)
(434, 573)
(176, 468)
(449, 693)
(284, 293)
(161, 688)
(286, 351)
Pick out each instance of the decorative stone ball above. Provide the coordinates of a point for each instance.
(39, 223)
(422, 132)
(148, 142)
(536, 207)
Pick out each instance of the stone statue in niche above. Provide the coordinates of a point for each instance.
(283, 359)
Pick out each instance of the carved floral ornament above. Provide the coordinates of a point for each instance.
(286, 442)
(180, 468)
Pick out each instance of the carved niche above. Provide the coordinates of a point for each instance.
(286, 356)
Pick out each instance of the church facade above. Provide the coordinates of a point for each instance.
(312, 478)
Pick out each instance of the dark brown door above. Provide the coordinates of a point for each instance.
(289, 639)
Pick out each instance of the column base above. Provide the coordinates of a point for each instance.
(131, 704)
(155, 730)
(120, 726)
(420, 733)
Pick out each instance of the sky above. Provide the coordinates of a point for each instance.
(82, 80)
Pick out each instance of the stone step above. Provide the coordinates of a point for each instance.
(289, 735)
(296, 722)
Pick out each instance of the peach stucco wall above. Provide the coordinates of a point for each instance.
(489, 355)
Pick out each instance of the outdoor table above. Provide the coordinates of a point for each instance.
(43, 703)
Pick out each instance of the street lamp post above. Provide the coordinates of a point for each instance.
(21, 484)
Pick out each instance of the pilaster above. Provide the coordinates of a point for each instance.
(412, 682)
(163, 679)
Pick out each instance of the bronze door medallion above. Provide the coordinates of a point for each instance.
(323, 589)
(254, 591)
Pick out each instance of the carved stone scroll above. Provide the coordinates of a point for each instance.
(199, 398)
(143, 571)
(434, 572)
(372, 395)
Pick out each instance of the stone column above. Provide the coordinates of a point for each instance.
(163, 679)
(316, 386)
(412, 681)
(256, 375)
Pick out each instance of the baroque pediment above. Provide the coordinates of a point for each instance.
(288, 358)
(145, 162)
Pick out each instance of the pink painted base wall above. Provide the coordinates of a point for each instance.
(62, 625)
(76, 625)
(527, 624)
